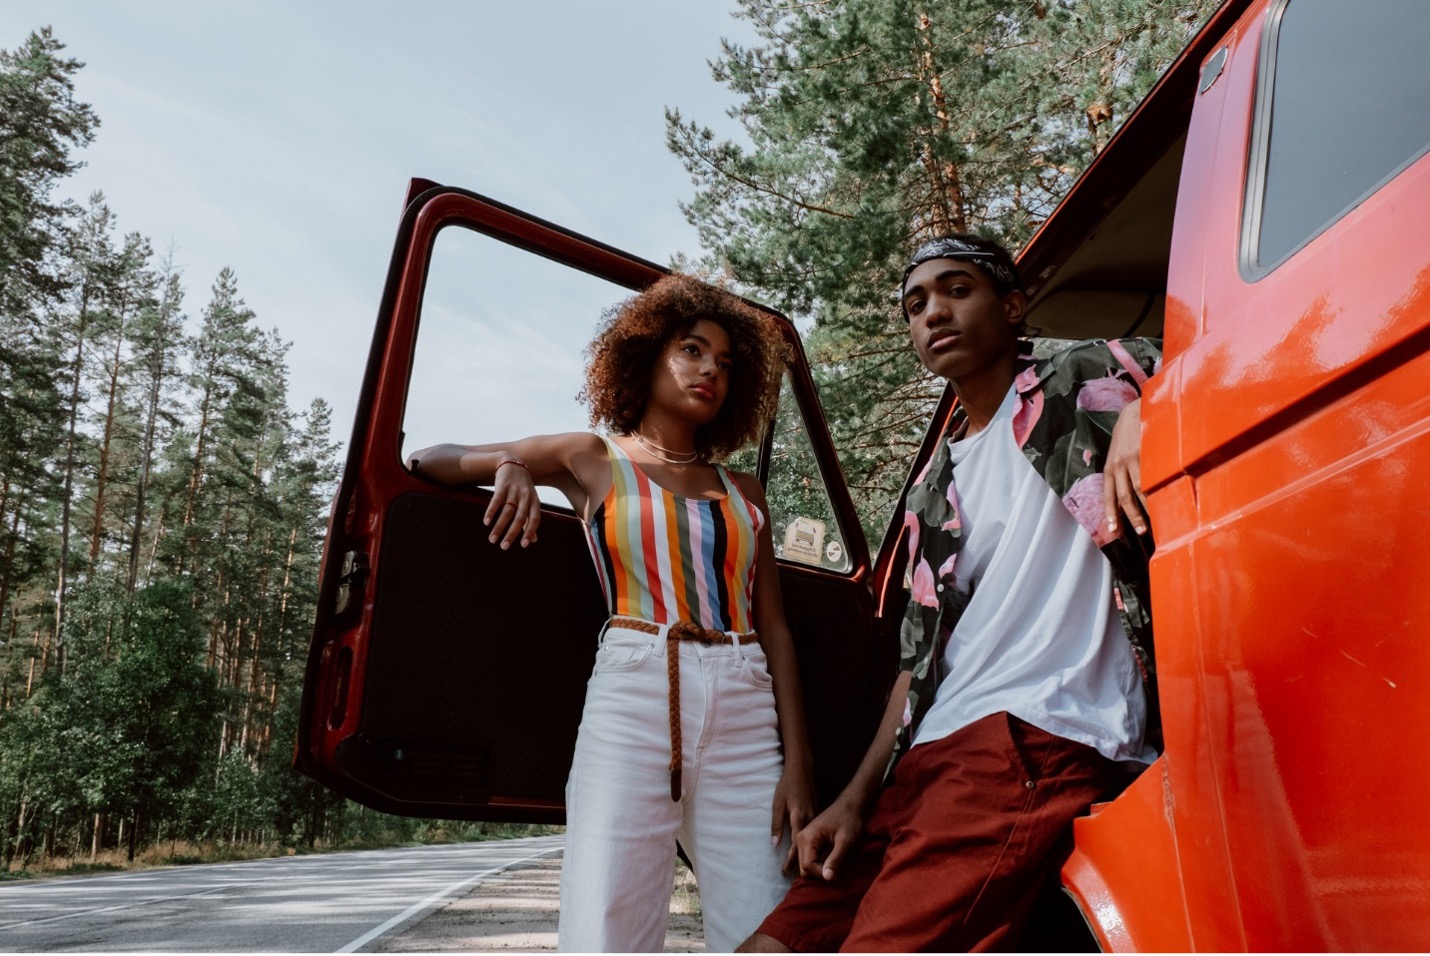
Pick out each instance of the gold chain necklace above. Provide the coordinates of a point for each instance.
(664, 454)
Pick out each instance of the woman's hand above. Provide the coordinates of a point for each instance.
(1122, 478)
(515, 509)
(794, 803)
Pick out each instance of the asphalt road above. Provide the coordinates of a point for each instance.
(333, 902)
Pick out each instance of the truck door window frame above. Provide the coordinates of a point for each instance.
(1253, 266)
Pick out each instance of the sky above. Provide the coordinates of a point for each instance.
(277, 138)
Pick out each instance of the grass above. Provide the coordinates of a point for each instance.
(685, 896)
(185, 853)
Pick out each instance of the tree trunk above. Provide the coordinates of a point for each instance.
(946, 212)
(133, 836)
(76, 369)
(146, 461)
(27, 845)
(102, 479)
(9, 659)
(196, 475)
(10, 558)
(159, 529)
(168, 308)
(16, 844)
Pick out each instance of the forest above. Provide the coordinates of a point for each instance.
(162, 506)
(162, 510)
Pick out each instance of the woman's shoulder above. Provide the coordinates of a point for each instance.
(749, 485)
(585, 447)
(581, 454)
(586, 440)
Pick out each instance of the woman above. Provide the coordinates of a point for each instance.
(693, 728)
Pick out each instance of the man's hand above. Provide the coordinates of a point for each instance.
(828, 837)
(1122, 478)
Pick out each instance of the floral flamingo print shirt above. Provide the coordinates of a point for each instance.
(1068, 404)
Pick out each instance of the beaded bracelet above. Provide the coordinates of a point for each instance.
(511, 461)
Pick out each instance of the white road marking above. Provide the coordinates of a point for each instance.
(433, 900)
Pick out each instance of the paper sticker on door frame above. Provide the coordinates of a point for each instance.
(804, 540)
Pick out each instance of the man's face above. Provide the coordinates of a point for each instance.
(958, 323)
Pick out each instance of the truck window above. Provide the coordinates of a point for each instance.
(499, 351)
(1341, 109)
(806, 527)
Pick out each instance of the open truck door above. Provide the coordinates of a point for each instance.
(446, 676)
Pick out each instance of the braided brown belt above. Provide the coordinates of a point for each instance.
(680, 631)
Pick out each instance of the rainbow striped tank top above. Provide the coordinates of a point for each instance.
(663, 558)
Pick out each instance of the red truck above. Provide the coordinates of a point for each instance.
(1266, 209)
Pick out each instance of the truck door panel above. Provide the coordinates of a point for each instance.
(446, 675)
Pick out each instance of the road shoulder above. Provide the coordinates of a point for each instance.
(516, 910)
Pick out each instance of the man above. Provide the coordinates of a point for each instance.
(1024, 688)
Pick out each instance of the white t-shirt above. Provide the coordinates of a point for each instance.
(1040, 638)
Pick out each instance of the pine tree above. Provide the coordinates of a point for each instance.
(157, 343)
(93, 264)
(31, 434)
(223, 355)
(252, 439)
(304, 483)
(871, 124)
(131, 293)
(41, 123)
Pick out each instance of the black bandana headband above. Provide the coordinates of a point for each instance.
(986, 255)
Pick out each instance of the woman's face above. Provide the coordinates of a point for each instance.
(692, 375)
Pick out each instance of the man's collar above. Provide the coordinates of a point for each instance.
(1029, 372)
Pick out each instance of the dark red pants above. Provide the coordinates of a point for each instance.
(957, 848)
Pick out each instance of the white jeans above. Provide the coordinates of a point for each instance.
(621, 824)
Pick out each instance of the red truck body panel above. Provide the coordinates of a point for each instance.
(1285, 442)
